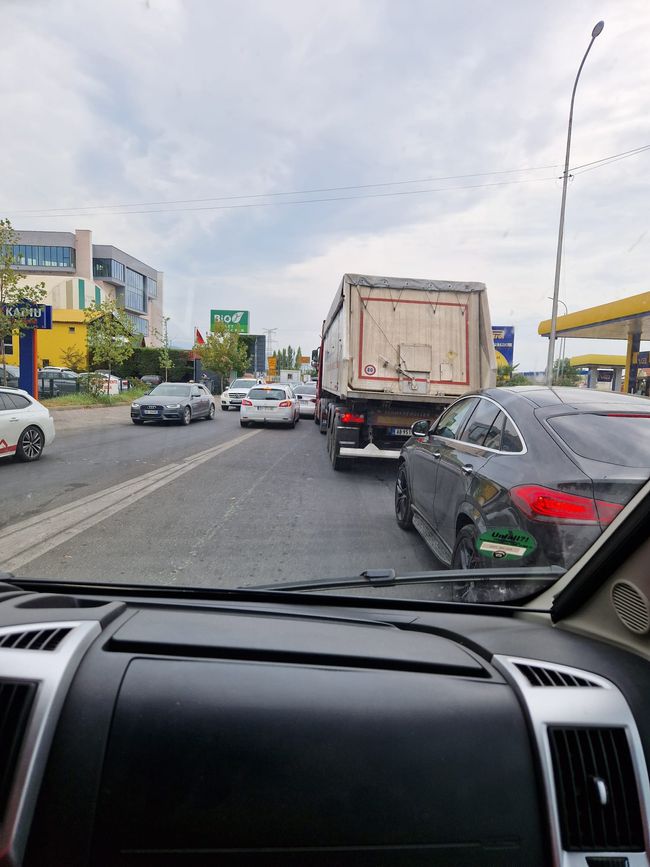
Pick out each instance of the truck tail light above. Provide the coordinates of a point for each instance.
(352, 418)
(246, 402)
(285, 403)
(546, 504)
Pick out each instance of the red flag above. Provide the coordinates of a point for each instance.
(198, 339)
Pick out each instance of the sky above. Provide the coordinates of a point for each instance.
(186, 132)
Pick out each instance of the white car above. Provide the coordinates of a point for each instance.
(236, 392)
(270, 404)
(306, 394)
(26, 426)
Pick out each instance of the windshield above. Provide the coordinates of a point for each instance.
(169, 390)
(417, 310)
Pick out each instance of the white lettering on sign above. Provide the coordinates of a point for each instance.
(229, 319)
(24, 312)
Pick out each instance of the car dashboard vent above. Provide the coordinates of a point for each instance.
(34, 639)
(16, 698)
(598, 801)
(538, 675)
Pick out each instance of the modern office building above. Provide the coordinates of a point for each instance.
(77, 272)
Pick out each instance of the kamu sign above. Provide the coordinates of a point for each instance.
(234, 320)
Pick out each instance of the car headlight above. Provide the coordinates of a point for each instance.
(135, 406)
(173, 406)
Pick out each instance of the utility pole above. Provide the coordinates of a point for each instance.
(269, 339)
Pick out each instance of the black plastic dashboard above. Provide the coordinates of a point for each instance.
(303, 732)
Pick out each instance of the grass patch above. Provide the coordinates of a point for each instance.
(84, 399)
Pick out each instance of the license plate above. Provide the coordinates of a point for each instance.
(266, 408)
(305, 403)
(151, 412)
(399, 431)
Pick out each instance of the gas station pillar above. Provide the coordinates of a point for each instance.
(631, 361)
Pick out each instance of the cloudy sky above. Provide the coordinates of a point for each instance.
(187, 132)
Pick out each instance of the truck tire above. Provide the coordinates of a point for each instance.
(323, 419)
(338, 463)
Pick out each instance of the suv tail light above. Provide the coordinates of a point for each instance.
(546, 504)
(285, 403)
(352, 418)
(246, 402)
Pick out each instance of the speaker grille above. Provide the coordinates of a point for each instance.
(631, 606)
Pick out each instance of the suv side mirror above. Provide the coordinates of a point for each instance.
(420, 428)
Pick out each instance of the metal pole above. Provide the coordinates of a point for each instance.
(560, 237)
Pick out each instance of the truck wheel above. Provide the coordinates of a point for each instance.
(403, 510)
(322, 422)
(338, 463)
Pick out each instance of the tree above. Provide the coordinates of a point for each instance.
(74, 358)
(223, 351)
(507, 375)
(564, 374)
(13, 293)
(164, 358)
(288, 359)
(109, 335)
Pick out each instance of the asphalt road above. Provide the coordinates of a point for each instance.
(205, 505)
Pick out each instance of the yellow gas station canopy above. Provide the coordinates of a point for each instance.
(615, 320)
(597, 361)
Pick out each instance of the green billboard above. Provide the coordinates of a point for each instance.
(234, 320)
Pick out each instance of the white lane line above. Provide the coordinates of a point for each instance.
(39, 534)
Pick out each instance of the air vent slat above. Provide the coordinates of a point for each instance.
(35, 639)
(541, 675)
(16, 698)
(596, 789)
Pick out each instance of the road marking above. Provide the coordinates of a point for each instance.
(39, 534)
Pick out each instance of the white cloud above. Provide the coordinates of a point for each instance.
(166, 100)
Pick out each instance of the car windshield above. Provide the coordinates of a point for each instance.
(170, 390)
(375, 214)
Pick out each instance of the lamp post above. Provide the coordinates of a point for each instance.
(560, 237)
(563, 339)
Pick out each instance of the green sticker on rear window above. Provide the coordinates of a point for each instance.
(505, 543)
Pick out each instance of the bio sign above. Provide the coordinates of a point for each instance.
(234, 320)
(504, 344)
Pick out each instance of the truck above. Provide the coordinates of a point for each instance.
(393, 351)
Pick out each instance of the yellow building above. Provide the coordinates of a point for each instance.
(68, 333)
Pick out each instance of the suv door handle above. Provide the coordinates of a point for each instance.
(437, 455)
(467, 469)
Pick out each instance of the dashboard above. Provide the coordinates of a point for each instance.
(264, 729)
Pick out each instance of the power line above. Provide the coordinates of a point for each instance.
(289, 193)
(612, 157)
(295, 202)
(601, 165)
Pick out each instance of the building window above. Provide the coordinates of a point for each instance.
(140, 325)
(36, 256)
(108, 269)
(9, 345)
(71, 329)
(152, 288)
(82, 294)
(98, 295)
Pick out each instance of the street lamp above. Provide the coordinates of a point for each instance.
(560, 237)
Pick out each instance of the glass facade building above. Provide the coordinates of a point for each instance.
(108, 269)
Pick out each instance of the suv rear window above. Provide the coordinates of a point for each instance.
(612, 438)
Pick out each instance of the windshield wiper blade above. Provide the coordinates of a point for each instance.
(388, 578)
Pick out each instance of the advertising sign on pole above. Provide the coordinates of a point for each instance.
(234, 320)
(504, 344)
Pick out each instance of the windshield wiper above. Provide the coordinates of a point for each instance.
(388, 578)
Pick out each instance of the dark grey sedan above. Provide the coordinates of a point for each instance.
(530, 475)
(174, 401)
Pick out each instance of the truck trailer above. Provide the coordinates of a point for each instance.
(395, 350)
